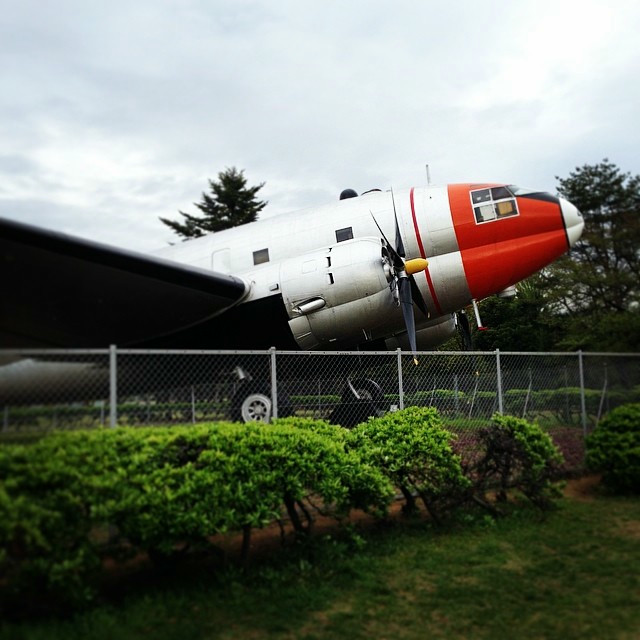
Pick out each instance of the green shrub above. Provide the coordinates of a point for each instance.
(314, 400)
(516, 454)
(45, 518)
(309, 424)
(441, 396)
(414, 450)
(92, 416)
(613, 449)
(69, 499)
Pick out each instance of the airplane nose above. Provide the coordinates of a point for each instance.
(573, 221)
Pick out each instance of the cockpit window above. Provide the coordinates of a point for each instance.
(498, 193)
(493, 204)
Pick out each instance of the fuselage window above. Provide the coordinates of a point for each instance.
(493, 204)
(261, 256)
(344, 234)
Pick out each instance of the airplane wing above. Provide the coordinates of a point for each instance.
(60, 291)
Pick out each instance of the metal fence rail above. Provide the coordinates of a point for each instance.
(567, 393)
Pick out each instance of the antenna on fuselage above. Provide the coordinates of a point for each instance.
(428, 175)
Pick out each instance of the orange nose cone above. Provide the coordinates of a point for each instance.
(415, 266)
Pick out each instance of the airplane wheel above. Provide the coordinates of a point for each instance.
(256, 408)
(252, 403)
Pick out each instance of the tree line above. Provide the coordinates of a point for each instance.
(589, 299)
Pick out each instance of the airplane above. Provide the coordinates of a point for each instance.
(324, 278)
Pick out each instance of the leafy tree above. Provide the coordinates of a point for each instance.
(518, 324)
(590, 298)
(595, 288)
(602, 272)
(230, 204)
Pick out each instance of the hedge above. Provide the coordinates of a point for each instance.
(88, 416)
(411, 448)
(73, 499)
(70, 498)
(564, 403)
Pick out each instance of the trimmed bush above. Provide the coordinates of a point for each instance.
(613, 449)
(414, 450)
(517, 454)
(70, 499)
(333, 431)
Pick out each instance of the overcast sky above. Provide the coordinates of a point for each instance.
(114, 113)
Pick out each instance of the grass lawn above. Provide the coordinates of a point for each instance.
(573, 574)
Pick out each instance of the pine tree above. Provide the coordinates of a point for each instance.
(229, 204)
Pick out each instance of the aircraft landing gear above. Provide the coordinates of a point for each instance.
(361, 399)
(252, 403)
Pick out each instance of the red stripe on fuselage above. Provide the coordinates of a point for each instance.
(436, 302)
(497, 254)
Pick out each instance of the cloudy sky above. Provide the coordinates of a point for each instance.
(115, 113)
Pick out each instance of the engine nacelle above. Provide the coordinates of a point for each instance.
(433, 334)
(337, 293)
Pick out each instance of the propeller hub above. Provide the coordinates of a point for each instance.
(416, 265)
(402, 283)
(387, 266)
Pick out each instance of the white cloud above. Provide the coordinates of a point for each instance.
(112, 115)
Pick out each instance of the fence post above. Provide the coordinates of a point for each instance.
(583, 402)
(274, 384)
(113, 386)
(499, 380)
(604, 394)
(400, 381)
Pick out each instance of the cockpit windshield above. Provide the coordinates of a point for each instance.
(521, 191)
(494, 203)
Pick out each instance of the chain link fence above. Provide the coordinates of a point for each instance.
(567, 393)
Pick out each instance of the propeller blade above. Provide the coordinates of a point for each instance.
(417, 297)
(399, 244)
(404, 290)
(407, 287)
(398, 262)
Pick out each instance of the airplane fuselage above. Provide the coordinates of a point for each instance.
(325, 262)
(340, 276)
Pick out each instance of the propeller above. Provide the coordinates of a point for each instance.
(407, 288)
